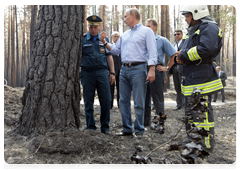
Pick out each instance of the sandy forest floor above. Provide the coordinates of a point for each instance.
(93, 147)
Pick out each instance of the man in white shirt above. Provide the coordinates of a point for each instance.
(138, 49)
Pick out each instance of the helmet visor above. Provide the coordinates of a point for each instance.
(185, 12)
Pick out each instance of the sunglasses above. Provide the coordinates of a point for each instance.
(176, 34)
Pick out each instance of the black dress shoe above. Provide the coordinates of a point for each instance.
(138, 135)
(123, 134)
(214, 101)
(106, 132)
(177, 108)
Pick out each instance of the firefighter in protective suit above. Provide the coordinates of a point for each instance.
(202, 43)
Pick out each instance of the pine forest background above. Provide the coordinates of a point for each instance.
(20, 23)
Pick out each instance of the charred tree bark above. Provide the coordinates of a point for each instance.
(51, 98)
(33, 25)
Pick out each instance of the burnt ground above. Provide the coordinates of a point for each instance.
(92, 147)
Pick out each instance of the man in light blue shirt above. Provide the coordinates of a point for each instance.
(156, 88)
(135, 46)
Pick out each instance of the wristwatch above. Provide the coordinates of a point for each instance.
(105, 44)
(167, 67)
(113, 73)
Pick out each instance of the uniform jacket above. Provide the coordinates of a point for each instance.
(197, 52)
(223, 77)
(93, 53)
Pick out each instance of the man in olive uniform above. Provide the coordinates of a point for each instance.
(94, 75)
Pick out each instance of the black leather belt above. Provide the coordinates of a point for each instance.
(133, 64)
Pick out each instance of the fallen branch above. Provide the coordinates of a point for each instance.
(165, 142)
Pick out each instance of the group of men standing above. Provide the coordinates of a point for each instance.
(141, 53)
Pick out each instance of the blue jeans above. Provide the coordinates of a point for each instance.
(133, 79)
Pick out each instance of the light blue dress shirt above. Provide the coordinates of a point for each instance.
(163, 47)
(136, 44)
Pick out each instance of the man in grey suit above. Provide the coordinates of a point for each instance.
(176, 71)
(223, 76)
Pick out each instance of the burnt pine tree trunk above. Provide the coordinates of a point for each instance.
(13, 48)
(24, 67)
(235, 39)
(163, 21)
(9, 46)
(104, 17)
(143, 14)
(116, 19)
(17, 72)
(28, 35)
(51, 98)
(168, 37)
(101, 16)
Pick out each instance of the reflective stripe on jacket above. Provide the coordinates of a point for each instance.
(197, 53)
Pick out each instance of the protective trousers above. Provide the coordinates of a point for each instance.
(91, 80)
(207, 124)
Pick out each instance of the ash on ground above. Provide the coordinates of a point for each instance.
(93, 147)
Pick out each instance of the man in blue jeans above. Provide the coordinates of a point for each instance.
(135, 45)
(156, 88)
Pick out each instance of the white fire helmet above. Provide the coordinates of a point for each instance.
(198, 11)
